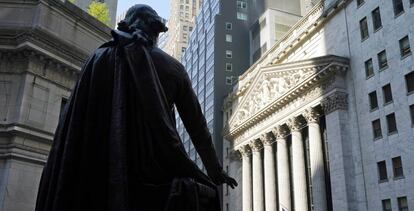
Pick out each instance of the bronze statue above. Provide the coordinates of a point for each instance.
(116, 147)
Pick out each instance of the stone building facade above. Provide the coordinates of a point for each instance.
(180, 25)
(324, 119)
(43, 44)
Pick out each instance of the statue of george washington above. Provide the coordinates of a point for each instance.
(116, 147)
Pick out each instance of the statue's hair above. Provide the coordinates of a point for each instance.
(144, 18)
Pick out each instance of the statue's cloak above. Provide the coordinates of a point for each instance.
(116, 147)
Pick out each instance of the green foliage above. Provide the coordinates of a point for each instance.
(100, 11)
(72, 1)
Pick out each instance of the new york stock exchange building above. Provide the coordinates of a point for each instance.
(324, 119)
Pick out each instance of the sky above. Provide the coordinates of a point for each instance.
(161, 6)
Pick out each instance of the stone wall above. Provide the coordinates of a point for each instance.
(43, 44)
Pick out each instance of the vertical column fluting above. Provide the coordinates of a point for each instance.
(283, 174)
(269, 172)
(245, 151)
(317, 165)
(258, 199)
(300, 195)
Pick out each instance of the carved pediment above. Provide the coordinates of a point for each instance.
(273, 82)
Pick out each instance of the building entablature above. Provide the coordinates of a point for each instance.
(281, 90)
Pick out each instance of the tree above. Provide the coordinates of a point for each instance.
(100, 11)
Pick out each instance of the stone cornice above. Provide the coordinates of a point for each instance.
(335, 66)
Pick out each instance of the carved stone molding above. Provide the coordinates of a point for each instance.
(311, 115)
(256, 145)
(245, 151)
(294, 124)
(279, 132)
(267, 139)
(336, 101)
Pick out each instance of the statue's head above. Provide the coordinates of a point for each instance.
(142, 17)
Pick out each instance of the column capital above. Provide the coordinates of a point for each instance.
(294, 124)
(267, 139)
(279, 132)
(256, 145)
(335, 101)
(311, 115)
(244, 150)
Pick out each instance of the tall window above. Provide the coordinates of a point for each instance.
(376, 129)
(398, 7)
(229, 38)
(397, 167)
(360, 2)
(386, 205)
(402, 203)
(229, 67)
(241, 16)
(242, 4)
(229, 54)
(382, 171)
(382, 60)
(412, 2)
(405, 48)
(363, 25)
(376, 19)
(229, 80)
(387, 93)
(391, 123)
(412, 114)
(373, 102)
(409, 81)
(369, 68)
(63, 103)
(229, 26)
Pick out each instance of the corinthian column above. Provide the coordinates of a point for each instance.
(269, 172)
(298, 166)
(316, 161)
(247, 177)
(258, 199)
(283, 174)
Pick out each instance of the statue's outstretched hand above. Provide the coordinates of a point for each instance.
(222, 177)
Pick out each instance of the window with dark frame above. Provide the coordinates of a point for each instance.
(382, 60)
(387, 93)
(382, 171)
(363, 25)
(397, 167)
(409, 81)
(391, 123)
(376, 19)
(412, 114)
(376, 128)
(386, 205)
(369, 68)
(373, 101)
(405, 48)
(229, 67)
(229, 54)
(229, 80)
(402, 203)
(412, 2)
(229, 26)
(398, 7)
(63, 103)
(360, 2)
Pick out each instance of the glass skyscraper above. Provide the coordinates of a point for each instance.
(217, 53)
